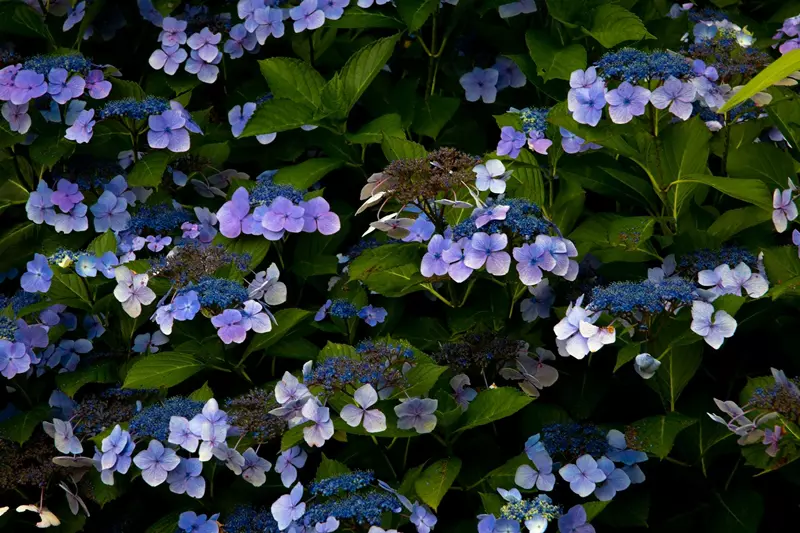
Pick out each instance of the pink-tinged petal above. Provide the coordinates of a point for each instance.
(351, 415)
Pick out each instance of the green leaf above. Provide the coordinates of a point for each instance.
(287, 319)
(70, 382)
(278, 115)
(783, 270)
(214, 154)
(493, 404)
(330, 468)
(751, 191)
(733, 221)
(307, 173)
(436, 480)
(677, 368)
(554, 62)
(126, 89)
(292, 437)
(775, 72)
(604, 175)
(434, 114)
(293, 79)
(568, 205)
(203, 394)
(165, 524)
(656, 434)
(164, 369)
(422, 377)
(391, 269)
(390, 125)
(492, 502)
(761, 160)
(47, 150)
(626, 354)
(357, 74)
(21, 426)
(416, 12)
(103, 243)
(737, 511)
(613, 24)
(148, 171)
(12, 192)
(16, 18)
(70, 290)
(394, 148)
(333, 349)
(357, 18)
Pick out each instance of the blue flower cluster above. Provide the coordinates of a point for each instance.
(8, 328)
(132, 108)
(217, 292)
(706, 259)
(248, 519)
(360, 247)
(361, 508)
(523, 218)
(632, 65)
(534, 119)
(350, 482)
(706, 13)
(644, 296)
(162, 217)
(153, 421)
(266, 191)
(387, 350)
(71, 62)
(524, 510)
(336, 372)
(779, 398)
(341, 308)
(22, 299)
(575, 439)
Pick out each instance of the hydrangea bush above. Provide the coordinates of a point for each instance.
(399, 266)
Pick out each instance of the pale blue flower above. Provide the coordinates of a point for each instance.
(156, 462)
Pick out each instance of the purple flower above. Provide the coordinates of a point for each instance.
(66, 195)
(75, 220)
(156, 462)
(97, 85)
(74, 16)
(417, 413)
(372, 315)
(433, 262)
(487, 249)
(167, 130)
(229, 326)
(147, 343)
(572, 144)
(519, 7)
(675, 94)
(532, 259)
(374, 420)
(28, 85)
(93, 325)
(771, 438)
(703, 31)
(322, 427)
(114, 454)
(511, 141)
(82, 129)
(255, 468)
(207, 71)
(254, 317)
(110, 212)
(420, 231)
(284, 215)
(169, 58)
(574, 521)
(616, 480)
(333, 9)
(329, 525)
(538, 143)
(423, 518)
(14, 358)
(289, 507)
(239, 41)
(289, 389)
(587, 79)
(368, 3)
(626, 101)
(189, 124)
(480, 84)
(211, 424)
(189, 522)
(540, 302)
(132, 291)
(306, 16)
(491, 176)
(509, 74)
(317, 216)
(233, 213)
(156, 243)
(323, 311)
(484, 215)
(288, 462)
(39, 275)
(187, 478)
(205, 44)
(68, 353)
(173, 32)
(17, 116)
(239, 116)
(784, 209)
(587, 105)
(181, 434)
(583, 475)
(562, 250)
(463, 394)
(267, 21)
(714, 330)
(541, 477)
(62, 90)
(456, 256)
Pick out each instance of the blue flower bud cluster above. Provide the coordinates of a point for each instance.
(692, 263)
(45, 63)
(8, 328)
(153, 421)
(132, 108)
(336, 372)
(217, 292)
(361, 508)
(348, 483)
(162, 217)
(266, 191)
(643, 296)
(528, 509)
(22, 299)
(706, 14)
(575, 439)
(387, 350)
(341, 308)
(534, 119)
(248, 519)
(779, 399)
(523, 218)
(633, 66)
(360, 247)
(62, 254)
